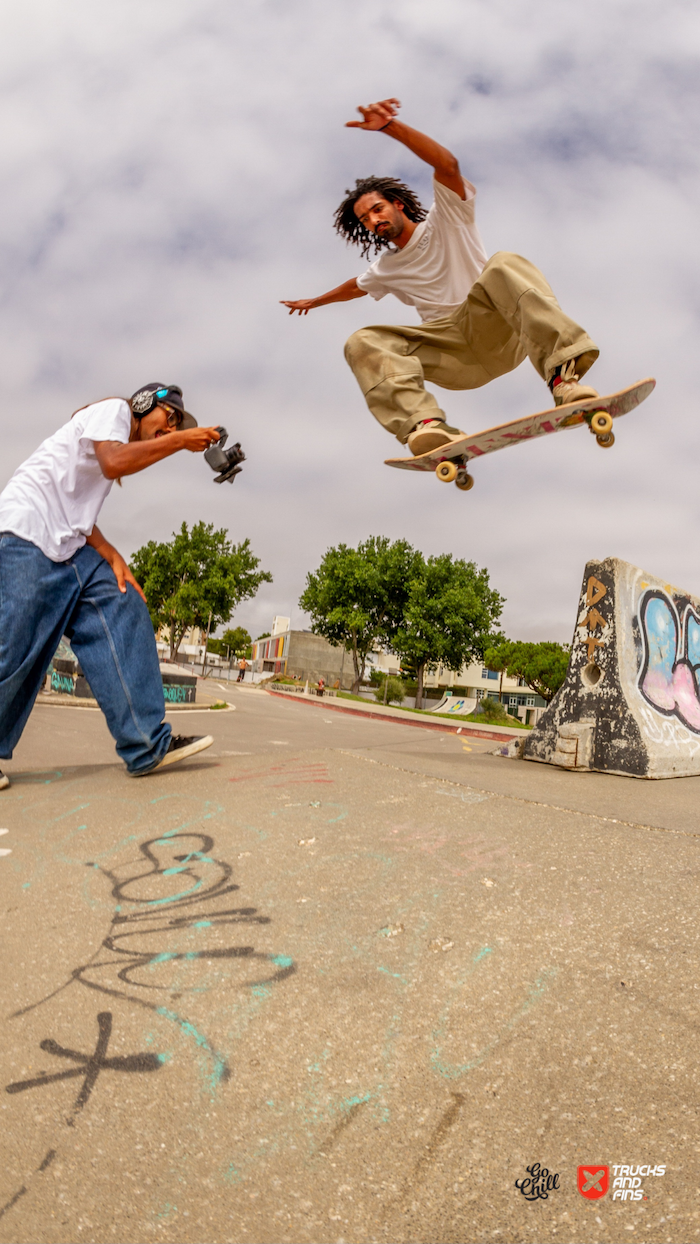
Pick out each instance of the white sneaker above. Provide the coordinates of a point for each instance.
(180, 748)
(4, 780)
(567, 389)
(430, 434)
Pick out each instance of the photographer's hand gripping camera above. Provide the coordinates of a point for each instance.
(225, 461)
(169, 396)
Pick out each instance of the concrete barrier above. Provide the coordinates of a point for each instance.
(631, 700)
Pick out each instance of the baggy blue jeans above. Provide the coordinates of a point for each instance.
(110, 633)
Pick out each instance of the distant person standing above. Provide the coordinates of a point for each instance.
(241, 669)
(60, 576)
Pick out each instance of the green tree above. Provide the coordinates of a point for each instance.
(449, 616)
(196, 579)
(390, 690)
(543, 666)
(235, 642)
(497, 659)
(357, 596)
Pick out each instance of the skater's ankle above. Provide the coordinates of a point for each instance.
(565, 373)
(566, 387)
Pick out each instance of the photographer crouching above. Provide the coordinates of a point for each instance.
(60, 576)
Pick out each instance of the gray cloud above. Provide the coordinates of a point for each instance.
(170, 171)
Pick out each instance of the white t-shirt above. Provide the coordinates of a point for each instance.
(53, 499)
(436, 269)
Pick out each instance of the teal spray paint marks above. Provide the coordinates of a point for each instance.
(219, 1066)
(452, 1071)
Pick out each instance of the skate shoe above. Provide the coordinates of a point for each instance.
(4, 780)
(180, 748)
(566, 388)
(431, 434)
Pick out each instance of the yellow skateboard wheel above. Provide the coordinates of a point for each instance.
(464, 480)
(601, 423)
(607, 441)
(446, 471)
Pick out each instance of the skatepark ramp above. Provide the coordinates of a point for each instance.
(455, 706)
(630, 703)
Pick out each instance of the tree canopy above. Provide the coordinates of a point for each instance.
(196, 579)
(449, 616)
(543, 666)
(496, 659)
(356, 597)
(234, 642)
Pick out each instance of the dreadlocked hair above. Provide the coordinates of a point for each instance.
(349, 227)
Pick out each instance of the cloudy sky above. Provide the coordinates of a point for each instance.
(169, 172)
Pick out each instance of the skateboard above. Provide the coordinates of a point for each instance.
(449, 462)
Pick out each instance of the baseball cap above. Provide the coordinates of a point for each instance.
(150, 395)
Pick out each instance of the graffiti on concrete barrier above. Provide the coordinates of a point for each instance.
(595, 591)
(178, 693)
(89, 1065)
(64, 683)
(668, 678)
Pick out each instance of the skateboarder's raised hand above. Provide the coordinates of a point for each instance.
(375, 116)
(384, 116)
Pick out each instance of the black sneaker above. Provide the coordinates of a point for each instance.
(180, 748)
(4, 780)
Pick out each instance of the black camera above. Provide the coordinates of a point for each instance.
(225, 461)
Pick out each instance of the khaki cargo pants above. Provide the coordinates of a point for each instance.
(510, 314)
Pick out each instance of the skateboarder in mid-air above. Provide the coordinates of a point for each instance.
(481, 317)
(60, 576)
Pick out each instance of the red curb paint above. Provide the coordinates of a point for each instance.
(474, 732)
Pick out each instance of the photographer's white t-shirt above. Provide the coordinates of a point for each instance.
(53, 499)
(436, 269)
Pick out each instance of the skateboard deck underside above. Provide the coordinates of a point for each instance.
(526, 429)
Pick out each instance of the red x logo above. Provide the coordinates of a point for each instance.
(593, 1181)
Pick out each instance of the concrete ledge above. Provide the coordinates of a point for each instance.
(407, 719)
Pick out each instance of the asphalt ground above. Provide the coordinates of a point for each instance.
(339, 979)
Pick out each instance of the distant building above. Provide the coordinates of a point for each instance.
(474, 681)
(191, 648)
(300, 654)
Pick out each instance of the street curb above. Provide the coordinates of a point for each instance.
(496, 733)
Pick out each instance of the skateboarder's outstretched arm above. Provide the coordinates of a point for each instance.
(383, 116)
(341, 293)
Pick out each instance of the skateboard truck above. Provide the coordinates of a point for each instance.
(225, 461)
